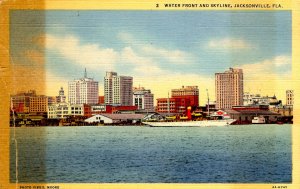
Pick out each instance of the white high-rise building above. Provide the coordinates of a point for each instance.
(229, 88)
(83, 91)
(118, 89)
(111, 88)
(143, 99)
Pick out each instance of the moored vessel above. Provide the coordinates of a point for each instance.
(219, 118)
(203, 123)
(259, 120)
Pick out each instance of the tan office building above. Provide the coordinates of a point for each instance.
(38, 104)
(229, 87)
(118, 89)
(143, 99)
(289, 97)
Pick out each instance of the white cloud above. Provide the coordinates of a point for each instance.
(282, 61)
(141, 65)
(267, 67)
(169, 56)
(89, 55)
(142, 59)
(229, 44)
(172, 56)
(269, 77)
(129, 55)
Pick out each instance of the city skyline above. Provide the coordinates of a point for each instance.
(159, 54)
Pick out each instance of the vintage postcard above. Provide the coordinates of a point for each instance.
(149, 94)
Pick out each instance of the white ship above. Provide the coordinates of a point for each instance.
(204, 123)
(218, 119)
(259, 120)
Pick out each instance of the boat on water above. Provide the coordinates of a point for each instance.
(259, 120)
(203, 123)
(218, 119)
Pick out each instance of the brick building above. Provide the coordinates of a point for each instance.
(179, 101)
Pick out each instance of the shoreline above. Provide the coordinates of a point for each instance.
(144, 125)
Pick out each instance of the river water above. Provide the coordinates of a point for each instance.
(114, 154)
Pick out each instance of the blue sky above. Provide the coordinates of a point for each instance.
(160, 49)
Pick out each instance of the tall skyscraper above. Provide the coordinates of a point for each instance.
(229, 87)
(111, 88)
(289, 97)
(83, 91)
(118, 89)
(126, 90)
(143, 99)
